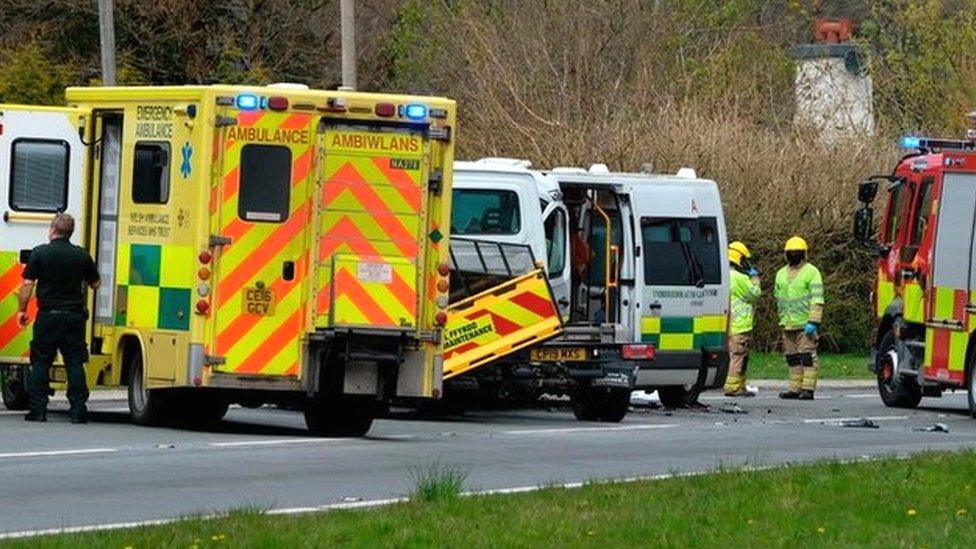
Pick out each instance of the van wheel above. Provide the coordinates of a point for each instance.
(14, 389)
(678, 397)
(339, 416)
(601, 404)
(146, 407)
(895, 391)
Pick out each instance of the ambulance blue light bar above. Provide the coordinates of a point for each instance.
(910, 142)
(415, 111)
(247, 102)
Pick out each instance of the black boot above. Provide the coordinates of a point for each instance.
(805, 395)
(789, 395)
(34, 415)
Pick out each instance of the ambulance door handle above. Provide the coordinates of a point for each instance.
(288, 270)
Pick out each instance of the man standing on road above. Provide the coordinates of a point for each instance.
(744, 291)
(61, 272)
(800, 300)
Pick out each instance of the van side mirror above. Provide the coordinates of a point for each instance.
(866, 191)
(864, 224)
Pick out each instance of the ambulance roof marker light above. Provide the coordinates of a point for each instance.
(278, 103)
(385, 110)
(416, 112)
(247, 102)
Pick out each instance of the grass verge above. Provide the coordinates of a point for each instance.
(832, 366)
(927, 500)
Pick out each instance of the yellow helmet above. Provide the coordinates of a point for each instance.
(796, 244)
(737, 252)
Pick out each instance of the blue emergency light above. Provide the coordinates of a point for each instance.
(910, 142)
(415, 111)
(247, 102)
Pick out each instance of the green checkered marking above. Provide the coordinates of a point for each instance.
(144, 265)
(142, 299)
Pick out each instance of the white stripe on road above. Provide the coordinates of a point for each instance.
(239, 443)
(841, 419)
(58, 453)
(588, 429)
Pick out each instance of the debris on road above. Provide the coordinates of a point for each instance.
(862, 423)
(733, 409)
(937, 428)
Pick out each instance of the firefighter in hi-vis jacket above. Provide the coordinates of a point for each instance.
(744, 291)
(800, 300)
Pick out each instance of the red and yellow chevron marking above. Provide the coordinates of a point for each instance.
(498, 322)
(370, 232)
(14, 340)
(249, 343)
(945, 348)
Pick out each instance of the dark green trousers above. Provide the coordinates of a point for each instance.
(58, 331)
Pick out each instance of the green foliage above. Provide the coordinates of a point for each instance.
(437, 482)
(29, 76)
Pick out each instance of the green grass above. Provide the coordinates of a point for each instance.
(832, 366)
(927, 500)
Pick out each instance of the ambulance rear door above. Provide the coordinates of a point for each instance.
(43, 159)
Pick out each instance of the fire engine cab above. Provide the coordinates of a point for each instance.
(925, 294)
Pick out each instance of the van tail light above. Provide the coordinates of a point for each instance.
(637, 352)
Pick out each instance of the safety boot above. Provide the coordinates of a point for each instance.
(741, 393)
(789, 395)
(805, 395)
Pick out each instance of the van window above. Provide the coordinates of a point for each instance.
(681, 252)
(485, 212)
(150, 173)
(555, 227)
(265, 189)
(38, 175)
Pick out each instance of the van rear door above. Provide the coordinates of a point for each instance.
(43, 163)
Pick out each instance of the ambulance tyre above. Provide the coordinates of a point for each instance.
(608, 404)
(14, 387)
(895, 391)
(146, 407)
(332, 416)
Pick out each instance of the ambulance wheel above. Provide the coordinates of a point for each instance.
(14, 387)
(895, 391)
(339, 416)
(601, 404)
(146, 407)
(678, 396)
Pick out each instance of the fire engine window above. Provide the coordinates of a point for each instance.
(485, 212)
(39, 175)
(923, 210)
(894, 211)
(265, 191)
(555, 227)
(681, 252)
(150, 172)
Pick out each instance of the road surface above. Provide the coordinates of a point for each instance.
(60, 475)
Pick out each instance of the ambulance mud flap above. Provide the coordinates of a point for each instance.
(499, 321)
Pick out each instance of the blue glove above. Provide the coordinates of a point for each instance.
(812, 328)
(753, 272)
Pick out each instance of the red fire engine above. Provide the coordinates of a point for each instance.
(925, 295)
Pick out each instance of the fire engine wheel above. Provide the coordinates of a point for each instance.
(895, 391)
(339, 416)
(971, 385)
(14, 387)
(601, 404)
(146, 407)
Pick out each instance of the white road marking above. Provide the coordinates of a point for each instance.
(588, 429)
(46, 453)
(239, 443)
(841, 419)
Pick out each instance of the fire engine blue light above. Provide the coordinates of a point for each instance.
(909, 142)
(247, 102)
(415, 111)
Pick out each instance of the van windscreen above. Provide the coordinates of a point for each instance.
(681, 251)
(485, 212)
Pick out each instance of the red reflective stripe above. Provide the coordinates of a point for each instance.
(532, 302)
(11, 280)
(249, 118)
(402, 182)
(286, 333)
(460, 349)
(322, 300)
(295, 122)
(347, 285)
(259, 258)
(301, 166)
(245, 323)
(406, 295)
(940, 349)
(372, 202)
(345, 232)
(959, 303)
(232, 182)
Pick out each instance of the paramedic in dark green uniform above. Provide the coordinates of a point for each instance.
(61, 272)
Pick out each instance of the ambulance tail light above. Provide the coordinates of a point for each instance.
(440, 318)
(278, 103)
(637, 352)
(443, 269)
(205, 257)
(203, 273)
(385, 110)
(203, 307)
